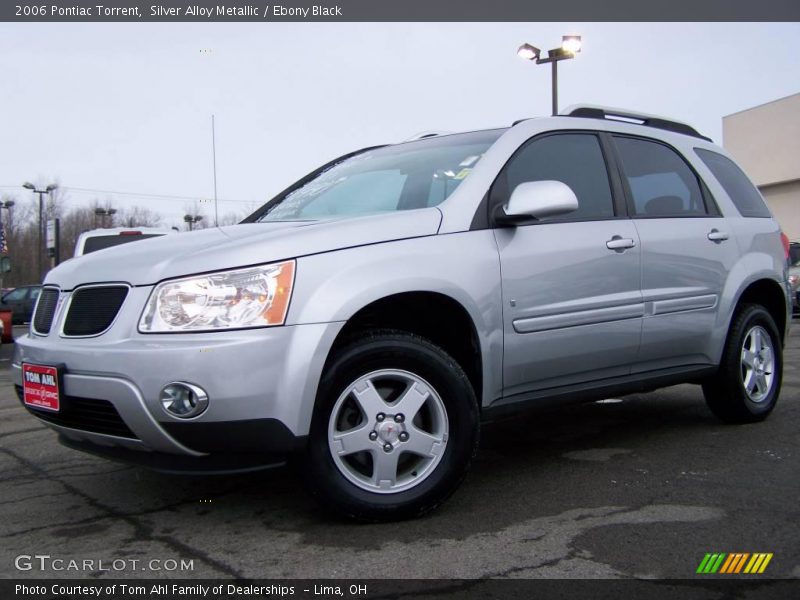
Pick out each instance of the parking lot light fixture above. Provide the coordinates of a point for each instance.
(571, 43)
(103, 213)
(528, 52)
(570, 46)
(191, 220)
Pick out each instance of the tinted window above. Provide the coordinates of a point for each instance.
(101, 242)
(35, 293)
(794, 254)
(15, 295)
(660, 181)
(573, 159)
(735, 183)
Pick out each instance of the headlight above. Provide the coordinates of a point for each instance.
(252, 297)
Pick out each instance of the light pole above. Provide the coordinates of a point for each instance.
(192, 219)
(6, 204)
(103, 213)
(48, 190)
(570, 46)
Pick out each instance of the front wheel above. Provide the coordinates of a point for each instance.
(395, 428)
(747, 385)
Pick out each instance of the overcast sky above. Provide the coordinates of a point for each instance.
(126, 107)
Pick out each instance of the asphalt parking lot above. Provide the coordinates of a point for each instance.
(640, 488)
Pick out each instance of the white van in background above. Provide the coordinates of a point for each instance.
(99, 239)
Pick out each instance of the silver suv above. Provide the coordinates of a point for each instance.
(372, 315)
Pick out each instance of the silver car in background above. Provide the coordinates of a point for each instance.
(372, 315)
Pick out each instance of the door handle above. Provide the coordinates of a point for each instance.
(717, 236)
(620, 243)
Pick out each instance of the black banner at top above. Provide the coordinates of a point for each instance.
(396, 10)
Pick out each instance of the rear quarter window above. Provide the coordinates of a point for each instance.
(742, 192)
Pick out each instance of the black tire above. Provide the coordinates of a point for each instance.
(725, 392)
(374, 351)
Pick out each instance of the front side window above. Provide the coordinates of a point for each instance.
(575, 159)
(392, 178)
(660, 181)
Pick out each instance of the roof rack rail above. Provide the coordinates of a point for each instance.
(589, 111)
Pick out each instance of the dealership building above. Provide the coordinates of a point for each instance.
(765, 141)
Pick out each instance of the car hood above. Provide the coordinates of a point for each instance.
(149, 261)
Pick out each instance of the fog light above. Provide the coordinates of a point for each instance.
(183, 400)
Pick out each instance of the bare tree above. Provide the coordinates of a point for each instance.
(137, 216)
(21, 223)
(230, 218)
(21, 226)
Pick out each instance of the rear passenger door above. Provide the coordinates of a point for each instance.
(572, 306)
(687, 252)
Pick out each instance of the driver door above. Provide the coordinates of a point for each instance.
(572, 303)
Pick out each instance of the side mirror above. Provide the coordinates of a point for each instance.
(537, 199)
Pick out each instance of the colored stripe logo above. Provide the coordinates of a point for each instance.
(734, 563)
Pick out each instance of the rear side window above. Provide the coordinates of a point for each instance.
(741, 191)
(574, 159)
(660, 181)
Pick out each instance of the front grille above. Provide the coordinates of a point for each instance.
(92, 310)
(85, 414)
(45, 310)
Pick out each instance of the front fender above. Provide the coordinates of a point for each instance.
(334, 286)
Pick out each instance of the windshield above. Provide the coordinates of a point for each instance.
(401, 177)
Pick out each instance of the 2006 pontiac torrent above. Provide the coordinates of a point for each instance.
(372, 315)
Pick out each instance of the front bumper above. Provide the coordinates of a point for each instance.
(261, 385)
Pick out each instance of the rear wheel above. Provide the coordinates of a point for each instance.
(395, 428)
(747, 385)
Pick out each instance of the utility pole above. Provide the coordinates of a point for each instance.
(214, 158)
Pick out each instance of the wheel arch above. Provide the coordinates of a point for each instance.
(436, 316)
(768, 293)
